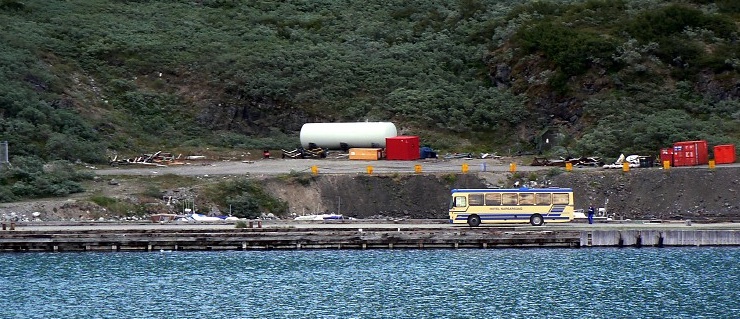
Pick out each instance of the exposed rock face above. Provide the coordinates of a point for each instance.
(714, 89)
(697, 194)
(362, 196)
(249, 116)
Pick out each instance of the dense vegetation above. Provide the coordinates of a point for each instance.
(80, 80)
(245, 198)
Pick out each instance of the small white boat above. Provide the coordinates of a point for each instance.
(204, 218)
(320, 217)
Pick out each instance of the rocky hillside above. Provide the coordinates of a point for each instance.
(86, 80)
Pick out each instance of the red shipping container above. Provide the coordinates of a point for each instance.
(690, 153)
(724, 154)
(666, 154)
(404, 148)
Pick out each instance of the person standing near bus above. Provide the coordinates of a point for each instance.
(591, 214)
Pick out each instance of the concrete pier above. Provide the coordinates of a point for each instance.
(357, 235)
(250, 239)
(660, 238)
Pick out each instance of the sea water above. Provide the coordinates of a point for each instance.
(466, 283)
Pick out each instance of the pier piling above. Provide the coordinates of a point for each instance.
(348, 238)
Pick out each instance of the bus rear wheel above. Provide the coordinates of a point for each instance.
(474, 220)
(536, 220)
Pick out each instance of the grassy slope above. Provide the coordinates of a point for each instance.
(422, 64)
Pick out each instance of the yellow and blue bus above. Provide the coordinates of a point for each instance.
(521, 205)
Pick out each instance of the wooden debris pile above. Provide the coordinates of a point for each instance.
(577, 162)
(305, 153)
(156, 159)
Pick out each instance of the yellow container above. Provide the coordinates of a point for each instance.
(365, 154)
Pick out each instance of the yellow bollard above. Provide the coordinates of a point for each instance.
(512, 167)
(568, 167)
(464, 168)
(417, 168)
(711, 164)
(315, 170)
(369, 170)
(666, 165)
(625, 167)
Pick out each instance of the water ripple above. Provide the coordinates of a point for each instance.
(506, 283)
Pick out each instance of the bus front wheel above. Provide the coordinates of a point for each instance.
(474, 220)
(536, 220)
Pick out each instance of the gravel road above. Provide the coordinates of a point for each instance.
(325, 166)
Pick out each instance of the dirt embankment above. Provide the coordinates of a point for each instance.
(693, 193)
(689, 193)
(697, 194)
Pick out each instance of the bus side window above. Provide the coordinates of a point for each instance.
(493, 199)
(460, 201)
(475, 199)
(509, 199)
(526, 199)
(543, 199)
(560, 199)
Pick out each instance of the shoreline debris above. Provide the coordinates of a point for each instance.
(159, 159)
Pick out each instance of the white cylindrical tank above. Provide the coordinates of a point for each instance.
(354, 134)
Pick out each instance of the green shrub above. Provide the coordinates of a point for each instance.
(245, 198)
(450, 178)
(554, 172)
(301, 178)
(573, 51)
(30, 178)
(653, 25)
(103, 200)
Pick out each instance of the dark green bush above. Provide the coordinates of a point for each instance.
(657, 24)
(245, 199)
(572, 51)
(28, 177)
(244, 206)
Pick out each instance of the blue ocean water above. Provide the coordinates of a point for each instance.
(467, 283)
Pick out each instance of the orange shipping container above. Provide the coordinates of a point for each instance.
(724, 154)
(365, 154)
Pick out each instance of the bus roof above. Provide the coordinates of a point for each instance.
(512, 190)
